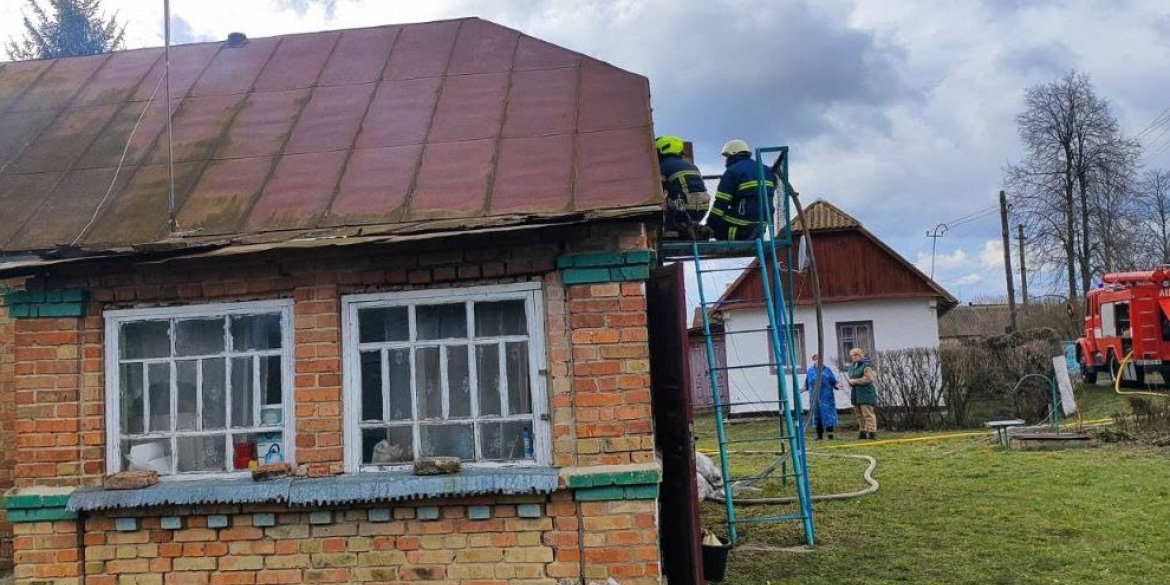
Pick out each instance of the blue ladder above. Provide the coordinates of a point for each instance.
(788, 440)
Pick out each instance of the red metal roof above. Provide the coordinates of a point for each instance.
(378, 127)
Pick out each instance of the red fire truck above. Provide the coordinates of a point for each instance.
(1129, 313)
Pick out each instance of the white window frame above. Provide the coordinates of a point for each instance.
(841, 338)
(115, 319)
(530, 292)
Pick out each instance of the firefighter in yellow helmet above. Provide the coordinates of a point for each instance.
(686, 195)
(738, 212)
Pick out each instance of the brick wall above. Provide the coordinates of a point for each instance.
(7, 423)
(598, 362)
(275, 545)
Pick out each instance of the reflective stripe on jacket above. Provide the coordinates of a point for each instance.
(680, 177)
(736, 199)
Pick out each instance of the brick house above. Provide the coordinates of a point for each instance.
(385, 244)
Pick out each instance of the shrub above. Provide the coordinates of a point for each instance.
(987, 371)
(910, 388)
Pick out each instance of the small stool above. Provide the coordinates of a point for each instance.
(1001, 428)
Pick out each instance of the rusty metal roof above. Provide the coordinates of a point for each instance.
(444, 125)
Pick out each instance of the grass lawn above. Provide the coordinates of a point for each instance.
(961, 510)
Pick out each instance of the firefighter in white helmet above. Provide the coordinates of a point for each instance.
(738, 211)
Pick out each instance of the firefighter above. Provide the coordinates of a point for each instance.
(686, 195)
(737, 212)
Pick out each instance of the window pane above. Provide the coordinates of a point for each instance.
(429, 383)
(487, 371)
(458, 382)
(255, 332)
(441, 321)
(401, 395)
(371, 385)
(188, 389)
(145, 339)
(147, 455)
(160, 398)
(383, 324)
(199, 337)
(158, 378)
(519, 395)
(503, 441)
(387, 446)
(500, 318)
(448, 440)
(206, 454)
(132, 391)
(270, 377)
(242, 393)
(214, 393)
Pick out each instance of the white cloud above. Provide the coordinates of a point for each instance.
(942, 261)
(966, 280)
(992, 254)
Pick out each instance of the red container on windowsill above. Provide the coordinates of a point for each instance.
(244, 453)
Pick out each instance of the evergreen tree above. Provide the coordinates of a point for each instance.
(74, 28)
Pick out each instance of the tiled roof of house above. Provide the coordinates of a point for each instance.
(822, 215)
(440, 125)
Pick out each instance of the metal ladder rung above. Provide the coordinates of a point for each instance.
(771, 519)
(746, 367)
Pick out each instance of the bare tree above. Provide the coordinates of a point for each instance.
(1074, 177)
(1154, 192)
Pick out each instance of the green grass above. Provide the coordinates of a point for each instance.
(962, 511)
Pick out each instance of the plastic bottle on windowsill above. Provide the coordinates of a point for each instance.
(526, 438)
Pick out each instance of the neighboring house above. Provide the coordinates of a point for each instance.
(971, 321)
(701, 394)
(386, 244)
(872, 297)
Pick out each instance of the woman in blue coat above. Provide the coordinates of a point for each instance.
(826, 407)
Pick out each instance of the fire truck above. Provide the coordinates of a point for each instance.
(1128, 314)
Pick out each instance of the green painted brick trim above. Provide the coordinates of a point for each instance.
(23, 297)
(640, 257)
(22, 502)
(617, 492)
(21, 311)
(61, 310)
(641, 492)
(28, 304)
(616, 478)
(628, 273)
(612, 492)
(40, 515)
(601, 259)
(585, 275)
(55, 501)
(607, 259)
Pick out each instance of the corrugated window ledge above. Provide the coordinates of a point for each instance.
(360, 488)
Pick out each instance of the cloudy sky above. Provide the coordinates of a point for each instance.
(899, 112)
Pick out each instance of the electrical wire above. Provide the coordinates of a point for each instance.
(121, 163)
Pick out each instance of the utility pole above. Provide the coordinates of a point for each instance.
(940, 230)
(1023, 276)
(1007, 261)
(1023, 267)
